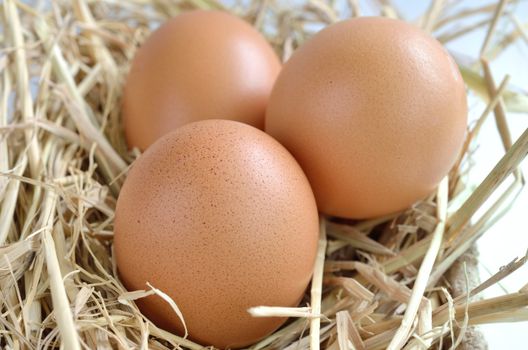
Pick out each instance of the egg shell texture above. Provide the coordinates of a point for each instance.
(219, 216)
(198, 65)
(374, 110)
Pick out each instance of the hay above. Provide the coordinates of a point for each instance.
(377, 284)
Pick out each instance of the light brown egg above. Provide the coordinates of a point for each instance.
(374, 110)
(198, 65)
(219, 216)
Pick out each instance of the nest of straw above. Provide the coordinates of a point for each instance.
(383, 283)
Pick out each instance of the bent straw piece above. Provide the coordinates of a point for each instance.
(317, 282)
(172, 304)
(403, 333)
(23, 92)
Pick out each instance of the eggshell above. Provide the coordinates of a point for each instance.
(374, 110)
(198, 65)
(219, 216)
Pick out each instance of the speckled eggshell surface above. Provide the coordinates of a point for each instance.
(219, 216)
(198, 65)
(374, 110)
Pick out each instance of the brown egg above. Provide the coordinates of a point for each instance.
(219, 216)
(198, 65)
(374, 110)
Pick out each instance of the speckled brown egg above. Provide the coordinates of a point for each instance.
(198, 65)
(219, 216)
(374, 110)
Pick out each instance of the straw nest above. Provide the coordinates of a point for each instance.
(377, 284)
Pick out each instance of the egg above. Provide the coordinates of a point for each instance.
(374, 110)
(219, 216)
(198, 65)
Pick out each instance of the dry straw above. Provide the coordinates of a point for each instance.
(377, 284)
